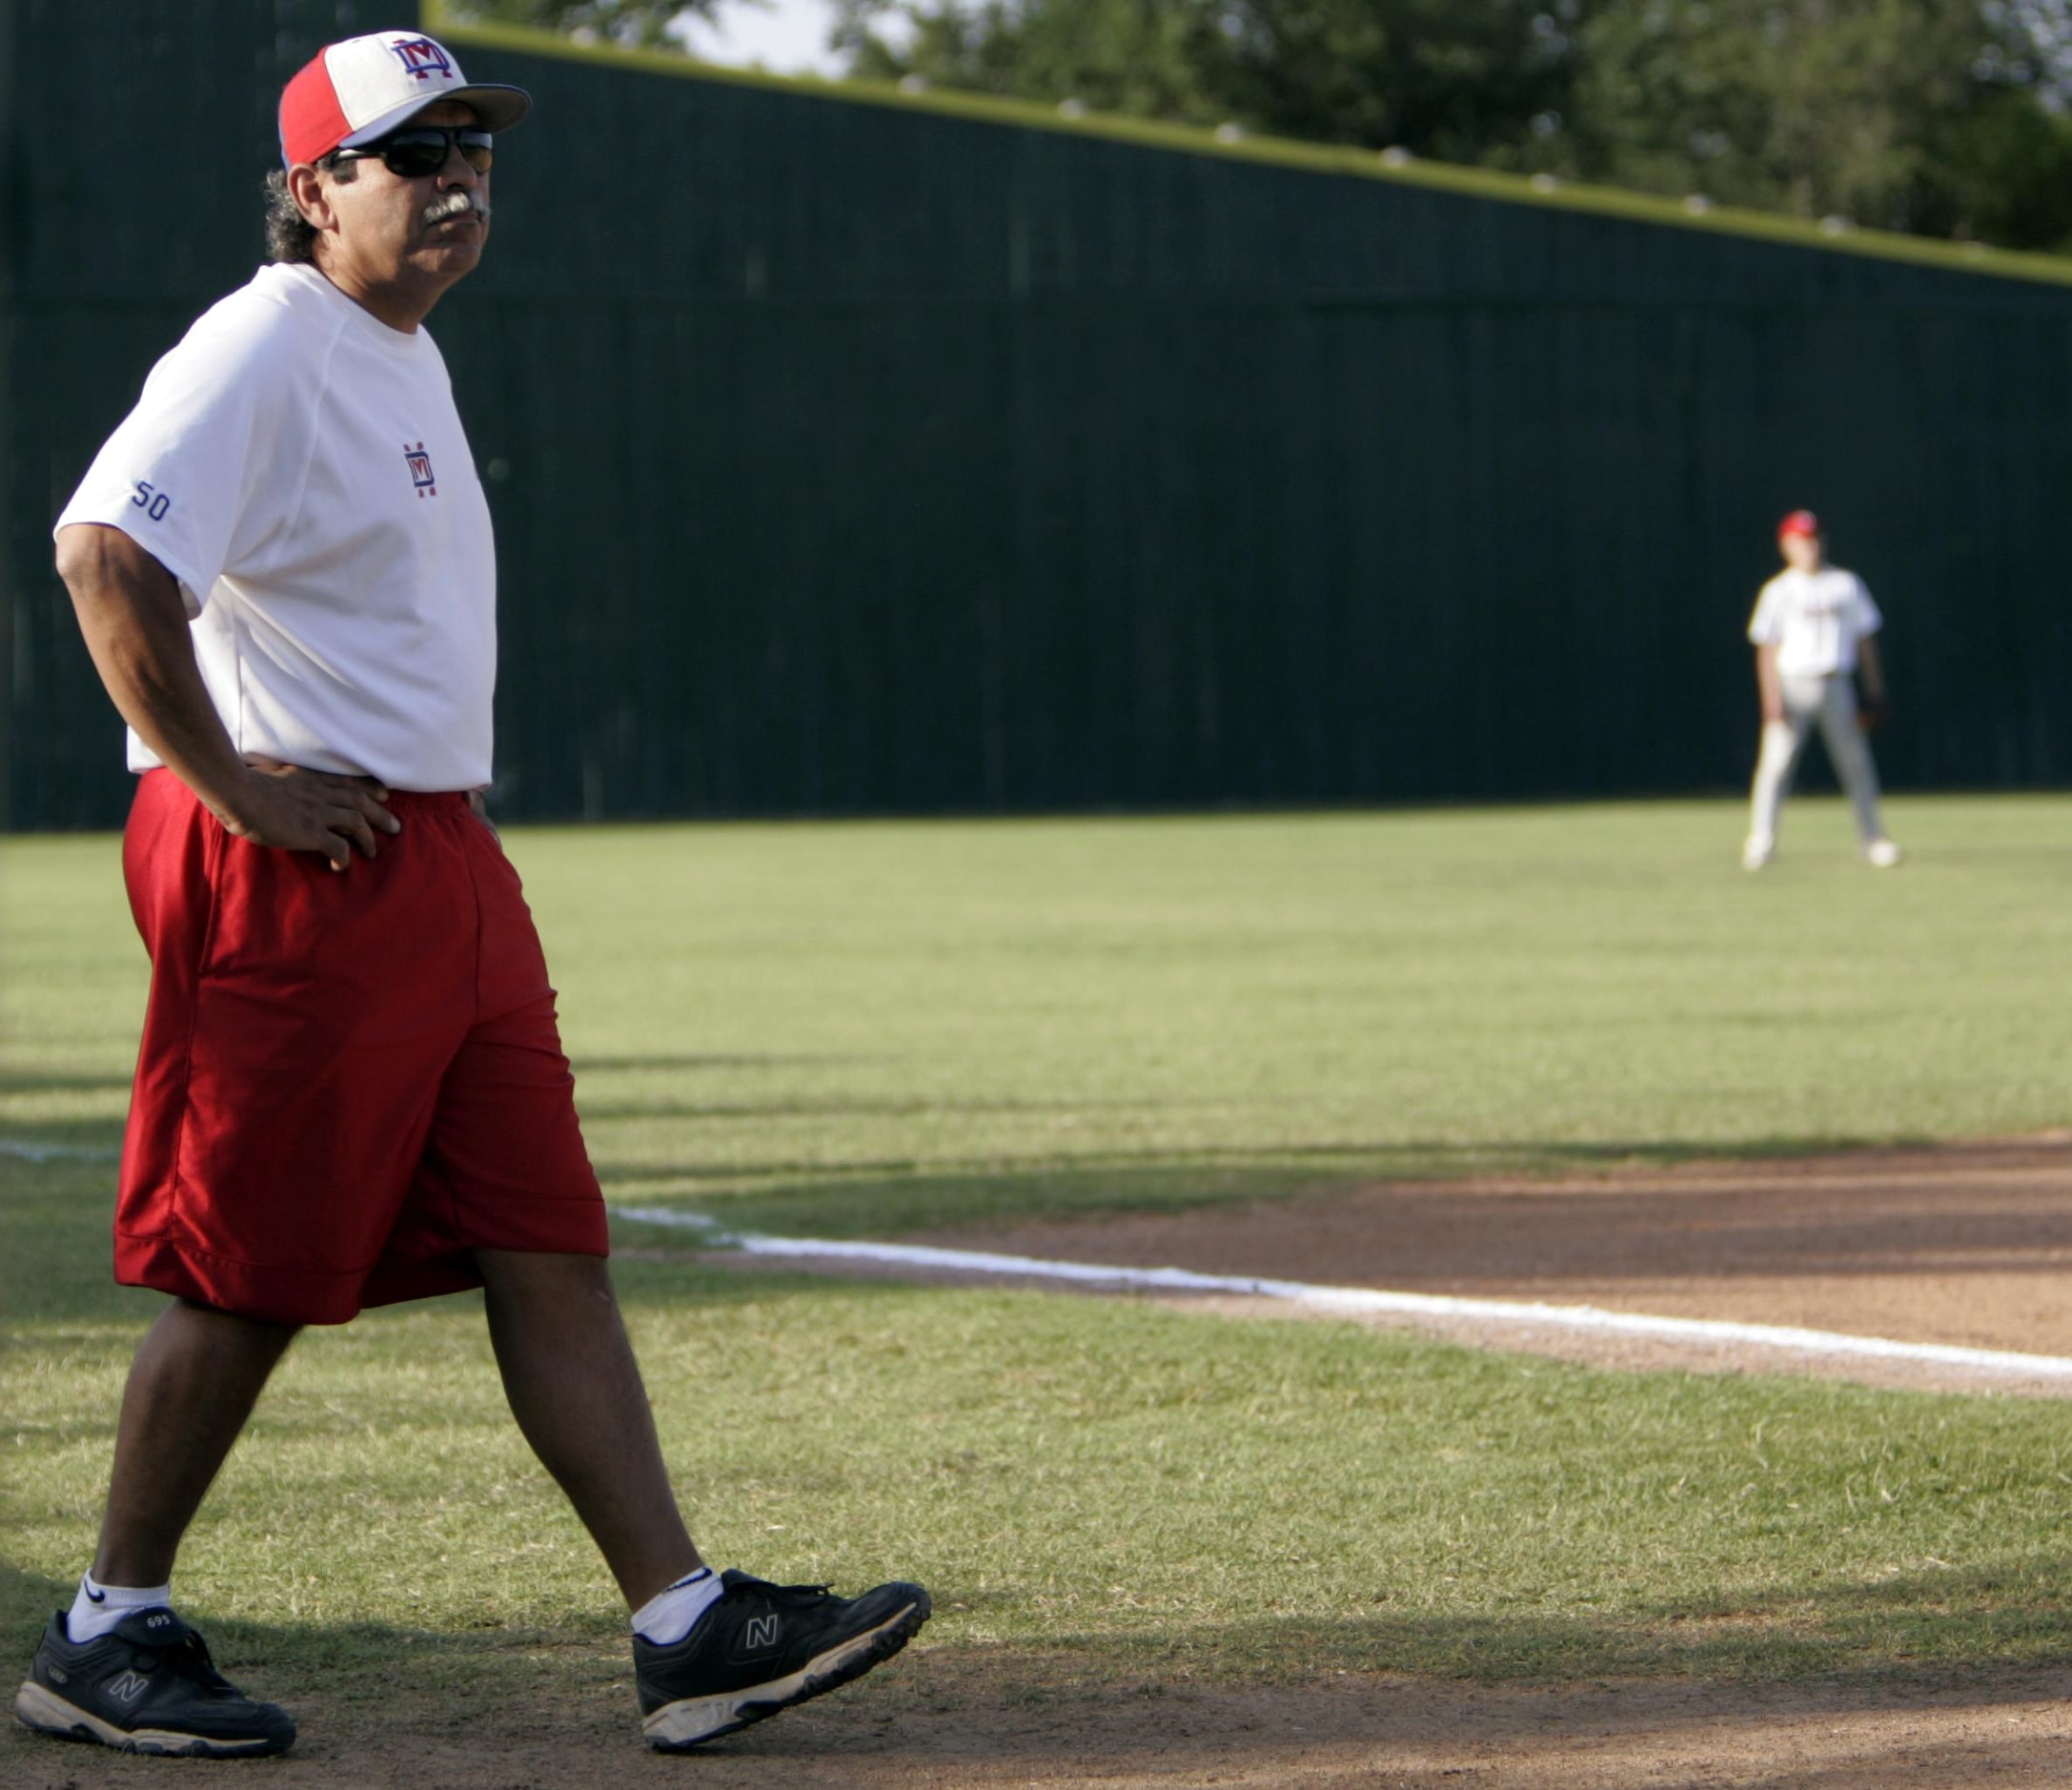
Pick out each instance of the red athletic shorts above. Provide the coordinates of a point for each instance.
(349, 1082)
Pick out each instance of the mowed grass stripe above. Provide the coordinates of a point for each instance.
(861, 1028)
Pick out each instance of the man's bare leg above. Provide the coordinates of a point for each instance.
(132, 1675)
(197, 1375)
(575, 1389)
(577, 1393)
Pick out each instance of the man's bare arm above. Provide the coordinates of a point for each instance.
(135, 626)
(1768, 685)
(1871, 671)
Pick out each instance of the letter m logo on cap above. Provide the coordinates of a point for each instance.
(422, 59)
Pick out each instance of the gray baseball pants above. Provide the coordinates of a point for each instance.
(1832, 702)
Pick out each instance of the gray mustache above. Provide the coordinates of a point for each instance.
(453, 205)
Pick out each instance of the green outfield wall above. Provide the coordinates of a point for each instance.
(854, 451)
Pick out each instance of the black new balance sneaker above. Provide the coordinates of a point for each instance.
(146, 1686)
(762, 1648)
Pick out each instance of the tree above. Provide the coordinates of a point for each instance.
(1455, 80)
(630, 24)
(1480, 81)
(2000, 171)
(1886, 111)
(1143, 57)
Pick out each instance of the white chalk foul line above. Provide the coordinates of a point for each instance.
(1357, 1301)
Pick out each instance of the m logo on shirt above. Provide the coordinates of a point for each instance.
(422, 58)
(421, 470)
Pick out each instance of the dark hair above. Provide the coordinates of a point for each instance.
(290, 236)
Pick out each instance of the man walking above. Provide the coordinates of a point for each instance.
(1815, 631)
(350, 1089)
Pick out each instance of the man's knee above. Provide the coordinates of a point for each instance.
(205, 1313)
(532, 1273)
(191, 1339)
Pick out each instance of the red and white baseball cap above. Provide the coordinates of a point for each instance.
(1799, 523)
(350, 94)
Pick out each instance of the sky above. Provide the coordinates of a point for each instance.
(785, 36)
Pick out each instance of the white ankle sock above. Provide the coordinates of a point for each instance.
(99, 1607)
(670, 1615)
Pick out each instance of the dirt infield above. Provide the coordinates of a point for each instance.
(1967, 1244)
(931, 1723)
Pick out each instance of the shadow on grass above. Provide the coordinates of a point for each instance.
(55, 1215)
(353, 1664)
(887, 1199)
(94, 1140)
(57, 1254)
(36, 1082)
(873, 1106)
(56, 1257)
(693, 1062)
(1954, 1630)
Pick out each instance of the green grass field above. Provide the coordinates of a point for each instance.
(864, 1028)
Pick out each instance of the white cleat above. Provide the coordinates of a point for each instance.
(1758, 853)
(1881, 854)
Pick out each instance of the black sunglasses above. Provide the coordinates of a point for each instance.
(423, 147)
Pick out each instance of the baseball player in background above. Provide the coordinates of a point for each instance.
(350, 1089)
(1815, 632)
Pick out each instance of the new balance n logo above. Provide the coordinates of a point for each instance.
(128, 1686)
(760, 1632)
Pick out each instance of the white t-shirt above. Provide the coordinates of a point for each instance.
(299, 467)
(1815, 621)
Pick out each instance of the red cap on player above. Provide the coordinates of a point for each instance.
(349, 93)
(1799, 523)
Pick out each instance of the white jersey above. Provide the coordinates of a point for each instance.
(1815, 621)
(299, 467)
